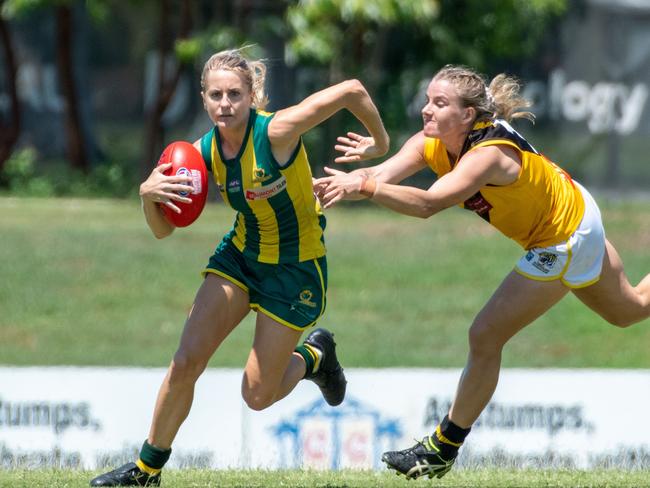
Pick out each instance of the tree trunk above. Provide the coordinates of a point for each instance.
(74, 133)
(9, 129)
(154, 131)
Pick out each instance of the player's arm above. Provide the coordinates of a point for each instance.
(475, 170)
(289, 124)
(345, 186)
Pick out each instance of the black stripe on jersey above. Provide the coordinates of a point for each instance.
(479, 205)
(238, 201)
(288, 232)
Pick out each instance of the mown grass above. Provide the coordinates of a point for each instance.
(343, 479)
(83, 282)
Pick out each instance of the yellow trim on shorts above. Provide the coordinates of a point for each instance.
(569, 255)
(226, 276)
(537, 278)
(323, 291)
(581, 285)
(257, 307)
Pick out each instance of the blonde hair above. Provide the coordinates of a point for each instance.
(254, 72)
(500, 99)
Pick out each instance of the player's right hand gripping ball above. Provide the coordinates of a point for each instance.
(186, 160)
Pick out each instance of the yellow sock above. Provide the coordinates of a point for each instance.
(147, 469)
(317, 355)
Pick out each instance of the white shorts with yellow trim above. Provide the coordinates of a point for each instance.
(577, 261)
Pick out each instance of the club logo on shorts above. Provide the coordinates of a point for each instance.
(305, 298)
(544, 262)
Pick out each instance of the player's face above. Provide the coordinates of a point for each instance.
(444, 115)
(227, 99)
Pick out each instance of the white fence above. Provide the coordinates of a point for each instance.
(97, 417)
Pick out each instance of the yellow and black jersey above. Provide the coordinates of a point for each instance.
(279, 220)
(541, 208)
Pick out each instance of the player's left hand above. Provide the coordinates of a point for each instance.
(338, 186)
(356, 147)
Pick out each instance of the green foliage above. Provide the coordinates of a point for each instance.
(485, 31)
(472, 32)
(322, 29)
(99, 10)
(187, 50)
(18, 8)
(20, 174)
(26, 177)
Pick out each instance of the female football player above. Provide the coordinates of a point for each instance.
(273, 259)
(484, 165)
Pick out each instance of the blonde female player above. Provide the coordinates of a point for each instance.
(272, 261)
(484, 165)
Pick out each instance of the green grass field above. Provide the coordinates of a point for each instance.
(344, 479)
(85, 283)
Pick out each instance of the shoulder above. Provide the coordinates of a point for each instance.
(261, 119)
(488, 153)
(496, 164)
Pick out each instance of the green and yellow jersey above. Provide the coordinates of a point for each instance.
(279, 220)
(541, 208)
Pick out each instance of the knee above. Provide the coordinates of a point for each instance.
(185, 368)
(257, 398)
(483, 342)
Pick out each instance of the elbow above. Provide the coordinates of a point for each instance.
(162, 233)
(427, 211)
(355, 86)
(354, 91)
(384, 145)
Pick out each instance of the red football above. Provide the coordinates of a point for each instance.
(186, 160)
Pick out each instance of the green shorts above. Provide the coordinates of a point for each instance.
(292, 293)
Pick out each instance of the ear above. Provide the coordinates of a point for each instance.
(469, 115)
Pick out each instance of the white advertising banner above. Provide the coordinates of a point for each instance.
(98, 417)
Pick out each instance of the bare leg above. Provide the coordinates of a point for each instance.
(272, 370)
(613, 297)
(219, 306)
(516, 303)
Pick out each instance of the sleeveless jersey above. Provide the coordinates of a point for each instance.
(541, 208)
(279, 220)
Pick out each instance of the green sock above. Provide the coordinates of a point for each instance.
(154, 457)
(309, 357)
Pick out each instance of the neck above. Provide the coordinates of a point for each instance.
(233, 137)
(454, 143)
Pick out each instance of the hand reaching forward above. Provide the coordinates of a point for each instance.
(356, 148)
(161, 188)
(339, 186)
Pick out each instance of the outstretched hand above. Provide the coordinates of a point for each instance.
(338, 186)
(357, 148)
(164, 189)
